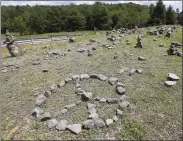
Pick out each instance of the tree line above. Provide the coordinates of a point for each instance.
(46, 19)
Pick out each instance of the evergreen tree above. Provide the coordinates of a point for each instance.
(170, 16)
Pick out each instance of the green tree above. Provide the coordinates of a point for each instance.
(170, 16)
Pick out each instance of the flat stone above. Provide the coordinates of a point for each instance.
(170, 83)
(109, 121)
(40, 100)
(123, 105)
(45, 116)
(80, 50)
(67, 80)
(115, 118)
(99, 123)
(55, 52)
(139, 71)
(113, 80)
(75, 128)
(88, 124)
(132, 71)
(141, 58)
(70, 106)
(75, 77)
(61, 125)
(52, 123)
(119, 113)
(102, 77)
(37, 111)
(173, 76)
(61, 84)
(120, 84)
(120, 90)
(63, 111)
(112, 100)
(84, 76)
(123, 98)
(87, 95)
(103, 100)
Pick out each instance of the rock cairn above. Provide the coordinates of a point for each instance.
(139, 42)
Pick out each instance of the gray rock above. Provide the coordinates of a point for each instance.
(40, 100)
(112, 100)
(53, 88)
(92, 110)
(52, 123)
(75, 128)
(109, 121)
(119, 113)
(37, 112)
(99, 123)
(139, 71)
(115, 118)
(103, 100)
(61, 125)
(84, 76)
(55, 52)
(120, 90)
(79, 91)
(89, 52)
(102, 77)
(43, 117)
(80, 50)
(113, 80)
(170, 83)
(87, 95)
(75, 77)
(70, 106)
(123, 105)
(56, 114)
(121, 71)
(173, 76)
(61, 84)
(97, 98)
(63, 111)
(132, 71)
(88, 124)
(141, 58)
(90, 105)
(123, 98)
(120, 84)
(67, 80)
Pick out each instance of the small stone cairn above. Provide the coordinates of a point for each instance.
(139, 41)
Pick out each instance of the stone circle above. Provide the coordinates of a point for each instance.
(94, 120)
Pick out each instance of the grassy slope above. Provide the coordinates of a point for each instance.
(157, 113)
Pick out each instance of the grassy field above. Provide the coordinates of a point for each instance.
(157, 109)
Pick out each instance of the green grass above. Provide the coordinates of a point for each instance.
(157, 113)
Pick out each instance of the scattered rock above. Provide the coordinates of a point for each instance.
(63, 111)
(70, 106)
(43, 117)
(173, 76)
(37, 112)
(115, 118)
(99, 123)
(113, 80)
(109, 121)
(123, 105)
(67, 80)
(75, 128)
(84, 76)
(120, 90)
(170, 83)
(40, 100)
(75, 77)
(62, 124)
(112, 100)
(52, 123)
(88, 124)
(61, 84)
(102, 77)
(119, 113)
(132, 71)
(141, 58)
(103, 100)
(54, 51)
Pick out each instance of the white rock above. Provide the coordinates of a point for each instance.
(75, 128)
(109, 121)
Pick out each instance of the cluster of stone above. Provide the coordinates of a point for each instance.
(172, 79)
(139, 42)
(94, 120)
(13, 48)
(173, 49)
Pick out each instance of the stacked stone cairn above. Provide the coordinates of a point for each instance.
(139, 41)
(173, 49)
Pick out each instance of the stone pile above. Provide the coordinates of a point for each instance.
(173, 50)
(94, 120)
(139, 42)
